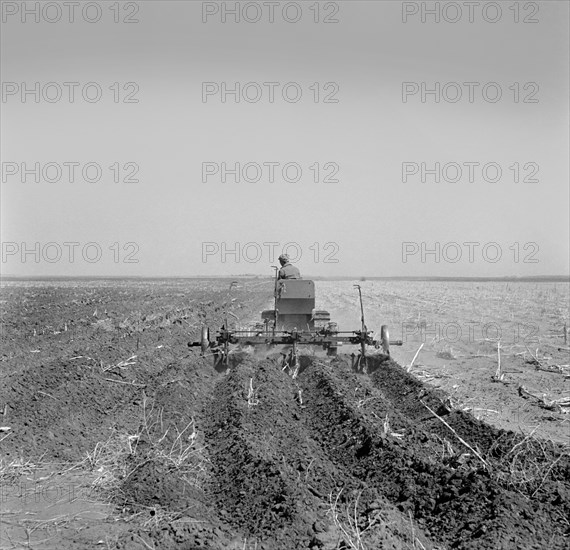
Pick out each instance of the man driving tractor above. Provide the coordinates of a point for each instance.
(288, 270)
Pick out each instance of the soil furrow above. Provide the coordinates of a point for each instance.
(462, 506)
(258, 457)
(274, 481)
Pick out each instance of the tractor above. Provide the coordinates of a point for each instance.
(294, 322)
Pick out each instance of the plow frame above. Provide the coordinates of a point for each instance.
(324, 338)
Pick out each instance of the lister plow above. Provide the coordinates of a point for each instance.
(294, 323)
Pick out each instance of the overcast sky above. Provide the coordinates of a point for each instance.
(356, 128)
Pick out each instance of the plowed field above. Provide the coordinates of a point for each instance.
(117, 435)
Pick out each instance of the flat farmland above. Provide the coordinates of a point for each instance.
(116, 434)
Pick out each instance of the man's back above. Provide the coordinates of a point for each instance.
(289, 271)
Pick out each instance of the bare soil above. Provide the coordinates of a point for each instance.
(120, 436)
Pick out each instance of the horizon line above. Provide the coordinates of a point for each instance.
(316, 277)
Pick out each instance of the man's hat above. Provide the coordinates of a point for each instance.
(284, 257)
